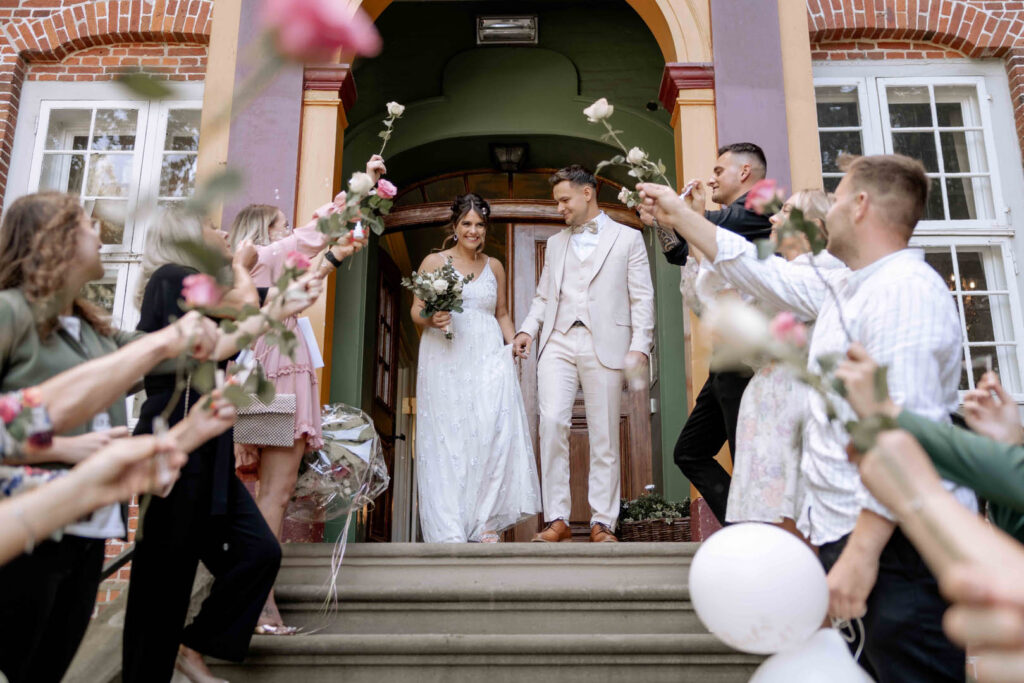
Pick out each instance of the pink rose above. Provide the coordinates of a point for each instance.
(313, 30)
(386, 190)
(296, 260)
(201, 290)
(787, 329)
(10, 407)
(762, 194)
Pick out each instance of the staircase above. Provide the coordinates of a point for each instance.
(496, 613)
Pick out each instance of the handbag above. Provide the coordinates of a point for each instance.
(264, 424)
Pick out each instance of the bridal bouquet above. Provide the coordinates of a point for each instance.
(346, 474)
(439, 290)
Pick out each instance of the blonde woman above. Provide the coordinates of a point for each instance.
(277, 466)
(766, 466)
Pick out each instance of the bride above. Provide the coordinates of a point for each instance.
(475, 467)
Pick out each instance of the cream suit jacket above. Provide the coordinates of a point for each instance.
(620, 296)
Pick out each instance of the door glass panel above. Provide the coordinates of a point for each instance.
(115, 129)
(182, 130)
(110, 175)
(63, 127)
(62, 172)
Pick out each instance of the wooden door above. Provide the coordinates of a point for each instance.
(528, 249)
(385, 389)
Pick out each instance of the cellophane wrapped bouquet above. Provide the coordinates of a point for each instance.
(346, 474)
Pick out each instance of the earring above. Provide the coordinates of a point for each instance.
(455, 238)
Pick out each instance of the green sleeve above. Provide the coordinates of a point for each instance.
(15, 321)
(994, 470)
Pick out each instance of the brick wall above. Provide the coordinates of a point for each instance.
(112, 587)
(89, 40)
(923, 29)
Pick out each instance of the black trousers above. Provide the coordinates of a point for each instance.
(46, 602)
(904, 640)
(178, 531)
(711, 423)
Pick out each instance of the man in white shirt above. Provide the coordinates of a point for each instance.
(897, 306)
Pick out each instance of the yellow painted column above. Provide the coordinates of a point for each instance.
(320, 147)
(798, 82)
(219, 84)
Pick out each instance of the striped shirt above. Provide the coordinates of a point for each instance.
(901, 311)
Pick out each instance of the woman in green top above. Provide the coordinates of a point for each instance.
(49, 250)
(994, 469)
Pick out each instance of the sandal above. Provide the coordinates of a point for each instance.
(490, 537)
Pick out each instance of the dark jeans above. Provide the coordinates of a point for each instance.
(903, 626)
(710, 425)
(178, 531)
(45, 606)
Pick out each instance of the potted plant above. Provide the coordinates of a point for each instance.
(652, 518)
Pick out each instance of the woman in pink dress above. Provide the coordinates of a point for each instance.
(278, 466)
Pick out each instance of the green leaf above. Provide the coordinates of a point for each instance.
(237, 396)
(204, 257)
(385, 205)
(881, 383)
(265, 391)
(204, 377)
(383, 134)
(839, 386)
(765, 248)
(864, 433)
(374, 201)
(228, 326)
(217, 188)
(146, 85)
(828, 362)
(251, 383)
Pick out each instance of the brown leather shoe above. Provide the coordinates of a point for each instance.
(555, 532)
(601, 533)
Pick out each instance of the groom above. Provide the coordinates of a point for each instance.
(594, 310)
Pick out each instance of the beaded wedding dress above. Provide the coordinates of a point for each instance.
(475, 467)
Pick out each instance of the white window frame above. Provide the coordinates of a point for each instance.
(996, 113)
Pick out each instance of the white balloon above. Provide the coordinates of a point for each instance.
(758, 588)
(824, 657)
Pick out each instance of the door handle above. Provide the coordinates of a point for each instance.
(393, 438)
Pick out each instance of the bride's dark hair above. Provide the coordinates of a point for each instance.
(462, 205)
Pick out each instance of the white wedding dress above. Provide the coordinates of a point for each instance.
(474, 458)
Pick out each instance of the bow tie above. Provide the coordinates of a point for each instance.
(589, 226)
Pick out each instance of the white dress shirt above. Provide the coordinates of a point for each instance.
(585, 242)
(902, 312)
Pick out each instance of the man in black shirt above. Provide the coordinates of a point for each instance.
(713, 419)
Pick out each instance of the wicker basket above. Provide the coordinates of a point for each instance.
(675, 530)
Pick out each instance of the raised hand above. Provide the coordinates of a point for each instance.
(205, 422)
(245, 256)
(127, 467)
(375, 167)
(194, 333)
(990, 410)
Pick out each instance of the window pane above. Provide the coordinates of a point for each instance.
(934, 210)
(64, 125)
(182, 130)
(969, 198)
(446, 189)
(957, 105)
(972, 269)
(177, 175)
(837, 106)
(110, 175)
(920, 146)
(942, 261)
(834, 143)
(115, 129)
(1004, 362)
(831, 183)
(531, 186)
(963, 152)
(62, 172)
(909, 107)
(102, 294)
(978, 316)
(489, 185)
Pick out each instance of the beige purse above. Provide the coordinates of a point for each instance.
(267, 425)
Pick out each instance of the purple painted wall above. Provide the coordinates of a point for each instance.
(749, 93)
(264, 136)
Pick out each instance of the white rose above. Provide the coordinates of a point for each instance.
(636, 156)
(599, 110)
(360, 183)
(395, 110)
(457, 287)
(624, 196)
(440, 286)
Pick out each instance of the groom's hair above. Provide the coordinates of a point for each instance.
(575, 174)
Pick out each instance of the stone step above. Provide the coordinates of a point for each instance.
(470, 658)
(485, 617)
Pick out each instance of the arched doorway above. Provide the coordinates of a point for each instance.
(523, 216)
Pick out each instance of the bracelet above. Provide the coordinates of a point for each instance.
(332, 259)
(30, 537)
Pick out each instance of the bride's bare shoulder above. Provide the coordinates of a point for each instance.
(433, 261)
